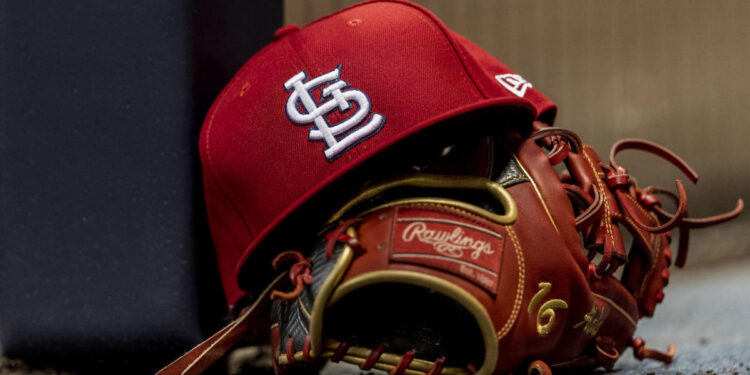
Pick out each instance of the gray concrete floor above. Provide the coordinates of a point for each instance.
(706, 314)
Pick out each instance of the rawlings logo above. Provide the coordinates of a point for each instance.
(447, 242)
(452, 244)
(514, 83)
(302, 109)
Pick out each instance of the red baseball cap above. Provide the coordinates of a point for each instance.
(321, 100)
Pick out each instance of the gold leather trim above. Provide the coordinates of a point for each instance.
(618, 308)
(520, 285)
(304, 309)
(326, 290)
(600, 185)
(538, 193)
(643, 211)
(499, 219)
(444, 287)
(444, 182)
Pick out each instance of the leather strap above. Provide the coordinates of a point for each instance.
(663, 152)
(688, 223)
(198, 359)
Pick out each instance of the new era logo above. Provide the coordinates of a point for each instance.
(514, 83)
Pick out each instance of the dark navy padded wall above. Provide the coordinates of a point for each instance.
(105, 256)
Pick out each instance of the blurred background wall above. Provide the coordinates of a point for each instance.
(675, 72)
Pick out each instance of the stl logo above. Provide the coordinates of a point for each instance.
(302, 109)
(514, 83)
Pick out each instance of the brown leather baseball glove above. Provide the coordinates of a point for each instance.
(446, 274)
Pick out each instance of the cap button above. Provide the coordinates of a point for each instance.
(284, 30)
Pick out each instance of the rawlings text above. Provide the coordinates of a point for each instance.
(447, 243)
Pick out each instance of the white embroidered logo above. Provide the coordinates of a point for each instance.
(301, 92)
(514, 83)
(452, 244)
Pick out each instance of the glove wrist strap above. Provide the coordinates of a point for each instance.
(202, 356)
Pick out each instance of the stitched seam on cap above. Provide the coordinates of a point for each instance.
(211, 170)
(449, 39)
(433, 21)
(208, 131)
(294, 47)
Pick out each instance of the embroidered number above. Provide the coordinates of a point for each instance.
(547, 310)
(338, 137)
